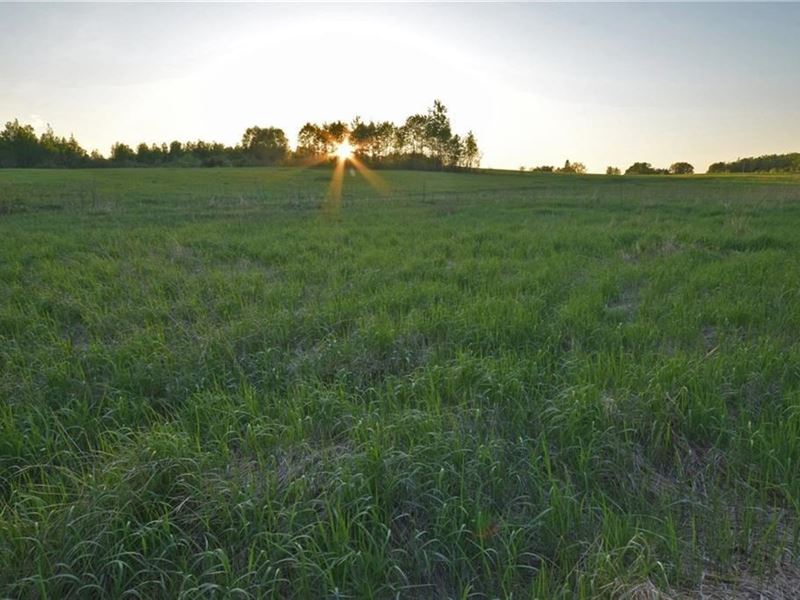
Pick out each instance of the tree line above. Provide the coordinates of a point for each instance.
(645, 168)
(423, 141)
(569, 167)
(637, 168)
(768, 163)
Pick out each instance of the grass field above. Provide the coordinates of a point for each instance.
(216, 383)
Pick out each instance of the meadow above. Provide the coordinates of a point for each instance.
(219, 383)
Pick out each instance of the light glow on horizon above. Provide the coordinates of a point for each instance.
(344, 150)
(602, 84)
(345, 153)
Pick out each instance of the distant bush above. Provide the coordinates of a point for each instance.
(187, 160)
(613, 171)
(644, 168)
(681, 168)
(570, 167)
(216, 161)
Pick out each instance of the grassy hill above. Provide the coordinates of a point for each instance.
(223, 383)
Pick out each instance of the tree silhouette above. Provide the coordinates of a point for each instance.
(681, 168)
(424, 141)
(472, 157)
(267, 145)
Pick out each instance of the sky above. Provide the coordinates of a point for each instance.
(603, 84)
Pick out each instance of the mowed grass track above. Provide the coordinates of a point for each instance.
(213, 383)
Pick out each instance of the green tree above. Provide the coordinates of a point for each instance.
(640, 168)
(384, 138)
(21, 148)
(175, 150)
(570, 167)
(681, 168)
(613, 171)
(768, 163)
(122, 153)
(362, 136)
(266, 145)
(472, 157)
(334, 134)
(59, 151)
(144, 155)
(310, 141)
(437, 131)
(454, 151)
(414, 135)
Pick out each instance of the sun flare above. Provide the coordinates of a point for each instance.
(344, 150)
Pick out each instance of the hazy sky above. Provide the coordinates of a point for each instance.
(605, 84)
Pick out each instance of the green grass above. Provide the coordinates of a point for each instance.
(214, 384)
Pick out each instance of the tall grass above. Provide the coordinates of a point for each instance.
(495, 385)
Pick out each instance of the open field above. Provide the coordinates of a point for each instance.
(214, 383)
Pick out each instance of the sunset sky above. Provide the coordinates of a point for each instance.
(605, 84)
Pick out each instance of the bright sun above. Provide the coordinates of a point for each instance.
(344, 150)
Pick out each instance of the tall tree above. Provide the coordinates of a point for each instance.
(384, 138)
(334, 133)
(266, 145)
(122, 153)
(362, 137)
(454, 151)
(437, 130)
(22, 149)
(310, 141)
(414, 135)
(472, 157)
(175, 149)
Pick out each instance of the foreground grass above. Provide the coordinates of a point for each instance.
(214, 383)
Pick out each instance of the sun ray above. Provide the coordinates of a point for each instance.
(372, 178)
(343, 154)
(344, 150)
(333, 198)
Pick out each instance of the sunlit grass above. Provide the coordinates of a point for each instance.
(462, 386)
